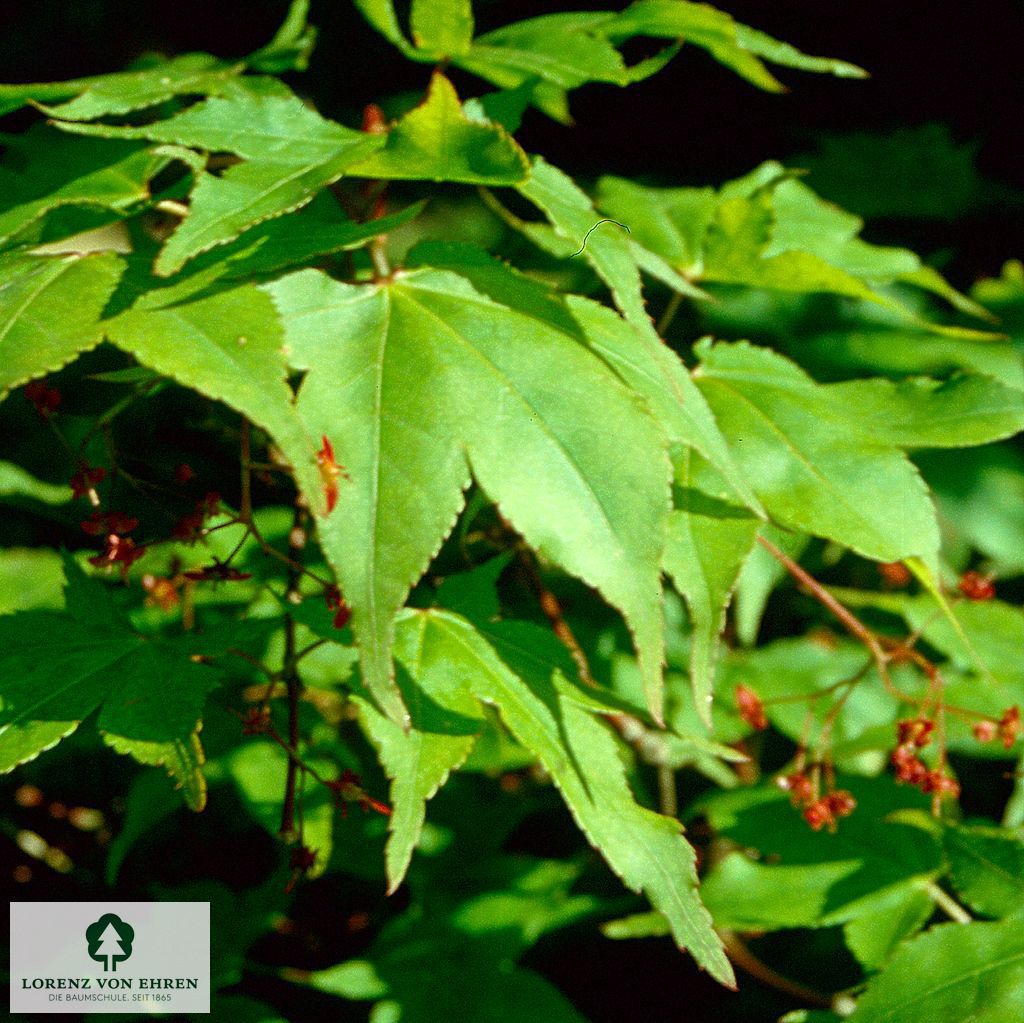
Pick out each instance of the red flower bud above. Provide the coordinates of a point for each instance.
(85, 479)
(750, 708)
(894, 574)
(819, 815)
(841, 803)
(975, 586)
(915, 732)
(799, 787)
(46, 399)
(1009, 726)
(985, 731)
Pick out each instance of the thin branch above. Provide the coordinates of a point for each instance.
(670, 313)
(949, 905)
(290, 674)
(740, 954)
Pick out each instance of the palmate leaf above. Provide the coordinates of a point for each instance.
(812, 469)
(723, 536)
(430, 969)
(289, 153)
(420, 381)
(50, 310)
(195, 74)
(561, 52)
(445, 719)
(769, 230)
(58, 668)
(521, 669)
(155, 80)
(633, 350)
(952, 972)
(437, 141)
(43, 173)
(874, 936)
(227, 345)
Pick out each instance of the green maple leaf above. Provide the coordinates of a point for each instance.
(422, 381)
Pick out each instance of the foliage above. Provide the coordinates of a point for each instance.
(298, 472)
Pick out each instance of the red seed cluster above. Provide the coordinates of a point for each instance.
(161, 592)
(218, 572)
(913, 735)
(45, 399)
(975, 586)
(109, 522)
(825, 812)
(1006, 729)
(819, 812)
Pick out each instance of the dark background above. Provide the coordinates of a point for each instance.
(951, 63)
(694, 123)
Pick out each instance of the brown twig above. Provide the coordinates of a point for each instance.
(740, 954)
(290, 675)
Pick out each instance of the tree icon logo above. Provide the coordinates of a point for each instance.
(110, 941)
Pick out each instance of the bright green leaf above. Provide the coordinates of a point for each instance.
(436, 141)
(811, 470)
(507, 665)
(50, 310)
(986, 867)
(397, 374)
(953, 972)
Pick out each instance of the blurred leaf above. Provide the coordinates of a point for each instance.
(444, 27)
(909, 172)
(759, 576)
(639, 925)
(291, 46)
(16, 482)
(980, 495)
(30, 579)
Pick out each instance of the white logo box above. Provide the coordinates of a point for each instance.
(141, 957)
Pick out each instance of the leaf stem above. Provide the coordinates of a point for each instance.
(949, 905)
(665, 321)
